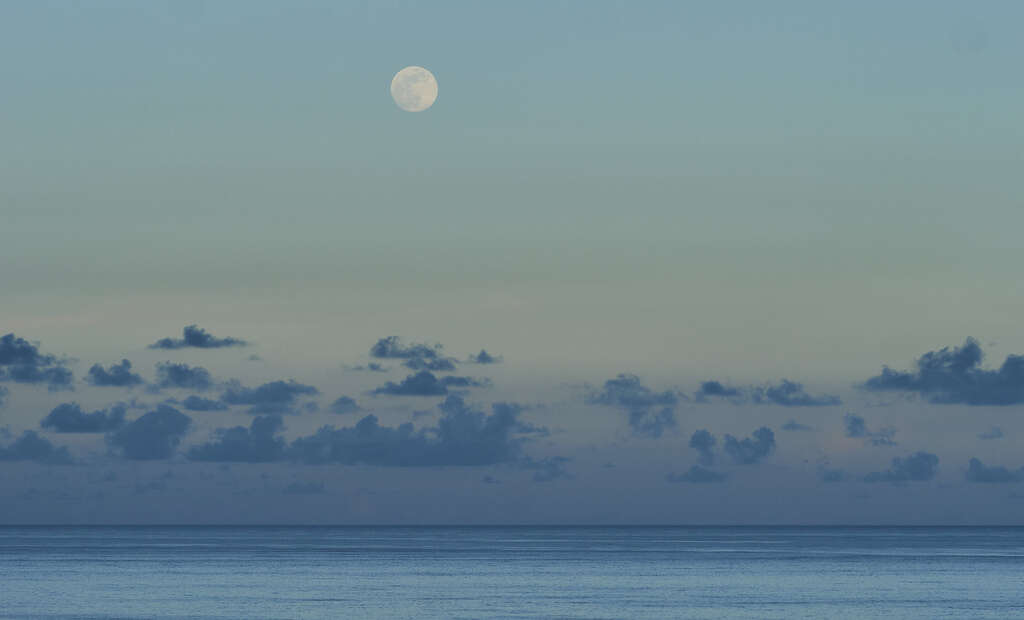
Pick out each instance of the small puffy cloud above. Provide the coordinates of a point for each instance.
(752, 449)
(259, 443)
(198, 403)
(32, 447)
(305, 488)
(271, 397)
(392, 347)
(425, 383)
(793, 426)
(651, 413)
(704, 443)
(197, 337)
(857, 427)
(917, 467)
(371, 367)
(437, 364)
(172, 375)
(22, 362)
(993, 433)
(955, 376)
(70, 418)
(710, 389)
(791, 394)
(344, 405)
(155, 435)
(698, 475)
(979, 472)
(118, 375)
(483, 357)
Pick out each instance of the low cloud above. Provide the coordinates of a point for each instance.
(257, 444)
(437, 364)
(993, 433)
(344, 405)
(955, 376)
(704, 443)
(425, 383)
(70, 418)
(171, 375)
(483, 357)
(197, 337)
(30, 446)
(786, 393)
(271, 397)
(651, 413)
(856, 427)
(393, 348)
(118, 375)
(698, 475)
(22, 362)
(750, 450)
(979, 472)
(794, 426)
(709, 389)
(155, 435)
(917, 467)
(198, 403)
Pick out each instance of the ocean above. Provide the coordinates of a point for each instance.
(511, 572)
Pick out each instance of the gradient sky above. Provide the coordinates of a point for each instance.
(735, 191)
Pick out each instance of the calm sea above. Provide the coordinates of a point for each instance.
(510, 572)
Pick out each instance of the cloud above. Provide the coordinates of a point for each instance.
(993, 433)
(118, 375)
(195, 336)
(917, 467)
(272, 397)
(31, 447)
(791, 394)
(483, 357)
(463, 437)
(547, 469)
(171, 375)
(257, 444)
(392, 347)
(698, 475)
(371, 367)
(979, 472)
(955, 376)
(437, 364)
(856, 427)
(3, 395)
(304, 488)
(425, 383)
(716, 388)
(198, 403)
(21, 362)
(752, 449)
(650, 412)
(793, 425)
(69, 418)
(154, 435)
(344, 405)
(704, 443)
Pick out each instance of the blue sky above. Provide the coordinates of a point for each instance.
(743, 192)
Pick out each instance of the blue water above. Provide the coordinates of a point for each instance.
(517, 572)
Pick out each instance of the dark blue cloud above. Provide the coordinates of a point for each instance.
(198, 403)
(344, 405)
(371, 367)
(272, 397)
(697, 475)
(717, 389)
(704, 443)
(195, 336)
(392, 347)
(793, 425)
(483, 357)
(155, 435)
(463, 437)
(118, 375)
(857, 427)
(752, 449)
(979, 472)
(993, 433)
(437, 364)
(31, 447)
(259, 443)
(791, 394)
(650, 413)
(425, 383)
(917, 467)
(171, 375)
(21, 362)
(955, 376)
(70, 418)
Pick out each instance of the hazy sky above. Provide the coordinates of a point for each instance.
(738, 192)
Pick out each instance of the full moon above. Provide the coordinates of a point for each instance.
(414, 89)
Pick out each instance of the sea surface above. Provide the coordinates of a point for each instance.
(510, 572)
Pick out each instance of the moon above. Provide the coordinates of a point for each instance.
(414, 89)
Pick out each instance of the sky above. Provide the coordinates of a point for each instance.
(693, 237)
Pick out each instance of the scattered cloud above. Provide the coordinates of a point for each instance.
(259, 443)
(344, 405)
(371, 367)
(650, 413)
(752, 449)
(171, 375)
(710, 389)
(793, 426)
(425, 383)
(979, 472)
(30, 446)
(791, 394)
(483, 357)
(154, 435)
(955, 376)
(198, 403)
(698, 475)
(917, 467)
(437, 364)
(21, 362)
(197, 337)
(857, 427)
(70, 418)
(118, 375)
(993, 433)
(704, 443)
(271, 397)
(393, 348)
